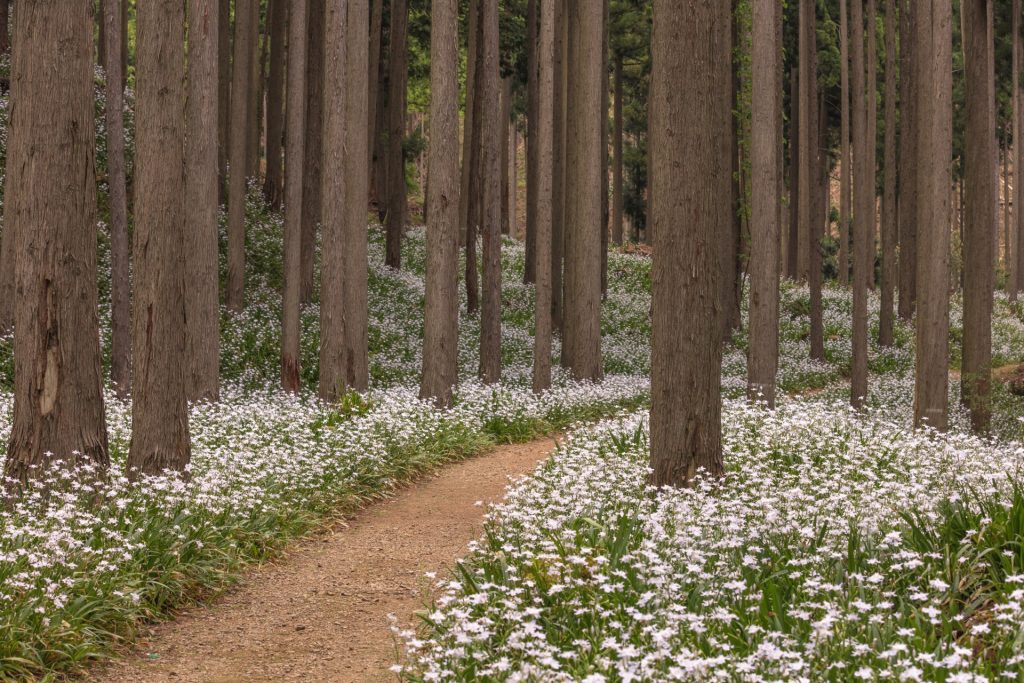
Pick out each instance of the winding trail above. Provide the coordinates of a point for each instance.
(320, 612)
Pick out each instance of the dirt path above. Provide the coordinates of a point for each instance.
(319, 613)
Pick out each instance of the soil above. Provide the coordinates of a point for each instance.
(320, 612)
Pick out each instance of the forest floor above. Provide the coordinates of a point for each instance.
(320, 612)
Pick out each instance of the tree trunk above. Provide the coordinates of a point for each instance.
(845, 162)
(312, 179)
(729, 245)
(766, 101)
(441, 319)
(237, 181)
(907, 162)
(605, 105)
(691, 178)
(202, 312)
(543, 131)
(617, 156)
(343, 293)
(559, 197)
(160, 436)
(51, 213)
(295, 156)
(532, 149)
(5, 31)
(273, 186)
(1007, 217)
(252, 154)
(793, 241)
(1016, 278)
(885, 323)
(120, 287)
(934, 142)
(807, 96)
(488, 82)
(505, 126)
(397, 74)
(472, 178)
(981, 213)
(373, 90)
(582, 324)
(811, 194)
(223, 88)
(863, 207)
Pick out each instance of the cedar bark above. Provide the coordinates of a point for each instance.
(559, 174)
(763, 349)
(846, 162)
(583, 210)
(544, 133)
(160, 436)
(885, 322)
(202, 314)
(907, 180)
(470, 210)
(441, 320)
(294, 147)
(373, 91)
(120, 284)
(236, 172)
(934, 175)
(5, 31)
(617, 156)
(252, 154)
(312, 178)
(223, 87)
(980, 215)
(793, 238)
(815, 193)
(532, 148)
(273, 185)
(807, 95)
(1016, 278)
(605, 105)
(863, 207)
(397, 74)
(488, 82)
(690, 45)
(506, 135)
(343, 314)
(51, 213)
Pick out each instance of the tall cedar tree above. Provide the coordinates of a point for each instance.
(240, 84)
(1017, 257)
(273, 184)
(617, 164)
(532, 135)
(793, 236)
(397, 75)
(690, 128)
(160, 436)
(845, 162)
(120, 287)
(885, 322)
(559, 197)
(907, 179)
(980, 215)
(763, 350)
(584, 201)
(543, 128)
(814, 186)
(252, 141)
(505, 127)
(51, 215)
(202, 312)
(934, 177)
(468, 180)
(293, 192)
(223, 88)
(863, 208)
(488, 84)
(808, 96)
(441, 321)
(312, 173)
